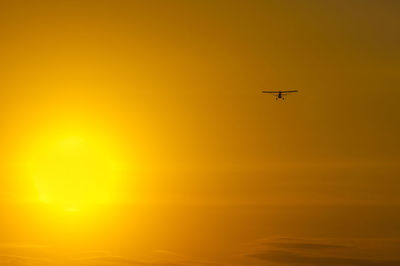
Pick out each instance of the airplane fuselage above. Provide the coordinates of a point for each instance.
(279, 96)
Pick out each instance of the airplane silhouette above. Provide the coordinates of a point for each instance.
(279, 94)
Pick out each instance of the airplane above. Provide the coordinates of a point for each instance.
(279, 94)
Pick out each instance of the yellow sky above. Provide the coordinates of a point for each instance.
(193, 160)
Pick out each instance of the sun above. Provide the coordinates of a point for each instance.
(74, 173)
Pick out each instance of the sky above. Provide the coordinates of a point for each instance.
(136, 133)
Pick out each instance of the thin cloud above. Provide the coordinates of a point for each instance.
(36, 255)
(330, 252)
(289, 258)
(11, 260)
(313, 246)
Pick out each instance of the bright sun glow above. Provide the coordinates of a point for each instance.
(73, 173)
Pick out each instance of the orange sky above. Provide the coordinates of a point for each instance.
(196, 166)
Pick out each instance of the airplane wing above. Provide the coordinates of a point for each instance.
(289, 91)
(270, 91)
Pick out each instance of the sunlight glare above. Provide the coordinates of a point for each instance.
(74, 172)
